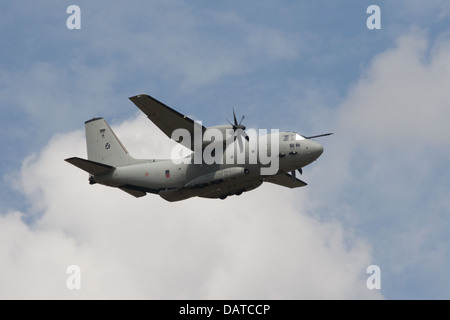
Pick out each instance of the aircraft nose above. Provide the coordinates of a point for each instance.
(315, 149)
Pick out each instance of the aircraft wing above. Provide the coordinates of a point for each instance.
(285, 180)
(166, 118)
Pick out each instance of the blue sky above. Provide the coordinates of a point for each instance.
(379, 192)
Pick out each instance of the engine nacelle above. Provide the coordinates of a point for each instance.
(223, 132)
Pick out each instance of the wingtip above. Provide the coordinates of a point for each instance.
(138, 96)
(71, 159)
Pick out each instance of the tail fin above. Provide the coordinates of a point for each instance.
(103, 146)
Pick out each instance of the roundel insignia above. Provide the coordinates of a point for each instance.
(107, 145)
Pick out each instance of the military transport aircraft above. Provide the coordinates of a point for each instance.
(224, 161)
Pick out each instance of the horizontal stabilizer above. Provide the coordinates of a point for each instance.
(285, 180)
(92, 167)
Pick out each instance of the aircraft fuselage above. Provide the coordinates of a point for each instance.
(177, 181)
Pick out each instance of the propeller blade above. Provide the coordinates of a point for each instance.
(293, 176)
(237, 125)
(300, 170)
(319, 135)
(242, 119)
(240, 142)
(239, 134)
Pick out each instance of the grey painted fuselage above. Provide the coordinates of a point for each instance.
(178, 181)
(228, 167)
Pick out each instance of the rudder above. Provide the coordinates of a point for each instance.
(103, 146)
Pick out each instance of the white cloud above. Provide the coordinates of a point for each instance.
(258, 245)
(385, 169)
(403, 99)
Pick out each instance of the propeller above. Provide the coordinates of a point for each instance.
(239, 127)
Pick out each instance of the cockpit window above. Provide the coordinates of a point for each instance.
(293, 136)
